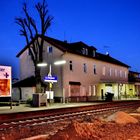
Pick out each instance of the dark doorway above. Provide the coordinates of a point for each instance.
(102, 94)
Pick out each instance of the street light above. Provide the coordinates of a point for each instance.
(42, 64)
(59, 62)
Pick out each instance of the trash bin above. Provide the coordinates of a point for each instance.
(39, 99)
(109, 96)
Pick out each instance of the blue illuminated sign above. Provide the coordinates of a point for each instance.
(52, 79)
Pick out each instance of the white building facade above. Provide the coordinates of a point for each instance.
(87, 74)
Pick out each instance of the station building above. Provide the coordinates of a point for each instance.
(87, 75)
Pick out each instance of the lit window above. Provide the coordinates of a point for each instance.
(85, 67)
(49, 49)
(94, 90)
(70, 65)
(94, 69)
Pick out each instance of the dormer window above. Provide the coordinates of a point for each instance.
(85, 51)
(93, 53)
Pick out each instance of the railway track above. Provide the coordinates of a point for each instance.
(53, 122)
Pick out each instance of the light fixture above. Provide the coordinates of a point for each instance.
(60, 62)
(43, 64)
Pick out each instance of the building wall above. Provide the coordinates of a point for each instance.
(50, 58)
(26, 93)
(89, 80)
(16, 94)
(91, 83)
(26, 65)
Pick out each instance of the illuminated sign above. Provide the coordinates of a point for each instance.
(52, 79)
(5, 81)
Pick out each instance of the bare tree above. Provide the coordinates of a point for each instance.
(30, 30)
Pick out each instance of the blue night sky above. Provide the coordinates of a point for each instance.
(109, 25)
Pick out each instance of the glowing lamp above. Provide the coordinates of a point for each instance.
(61, 62)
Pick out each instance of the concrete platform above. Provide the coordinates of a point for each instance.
(26, 107)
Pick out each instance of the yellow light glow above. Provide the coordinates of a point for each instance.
(42, 64)
(61, 62)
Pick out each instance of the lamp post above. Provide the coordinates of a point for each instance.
(50, 83)
(59, 62)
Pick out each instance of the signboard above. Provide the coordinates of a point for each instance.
(5, 81)
(52, 79)
(50, 94)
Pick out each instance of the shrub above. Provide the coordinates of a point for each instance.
(29, 101)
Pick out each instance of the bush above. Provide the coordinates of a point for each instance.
(29, 101)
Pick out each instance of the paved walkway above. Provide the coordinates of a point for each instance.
(25, 107)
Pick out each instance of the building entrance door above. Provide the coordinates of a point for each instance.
(75, 90)
(102, 94)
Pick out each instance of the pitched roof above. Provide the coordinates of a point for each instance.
(108, 58)
(134, 72)
(81, 45)
(62, 45)
(28, 82)
(75, 49)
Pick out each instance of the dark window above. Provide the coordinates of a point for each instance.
(94, 69)
(71, 68)
(83, 51)
(85, 67)
(49, 49)
(93, 53)
(86, 51)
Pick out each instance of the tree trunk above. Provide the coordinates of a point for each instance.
(38, 79)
